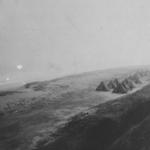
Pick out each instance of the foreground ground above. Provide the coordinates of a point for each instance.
(121, 124)
(35, 116)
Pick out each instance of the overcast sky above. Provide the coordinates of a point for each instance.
(51, 37)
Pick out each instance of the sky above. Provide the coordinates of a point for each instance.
(51, 38)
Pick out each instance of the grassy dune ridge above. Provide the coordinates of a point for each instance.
(108, 127)
(65, 113)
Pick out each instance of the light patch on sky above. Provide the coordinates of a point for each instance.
(19, 67)
(7, 79)
(54, 38)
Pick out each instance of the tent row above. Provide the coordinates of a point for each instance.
(117, 86)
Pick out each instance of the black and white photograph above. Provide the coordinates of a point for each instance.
(74, 75)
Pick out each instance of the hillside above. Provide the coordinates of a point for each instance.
(39, 115)
(119, 124)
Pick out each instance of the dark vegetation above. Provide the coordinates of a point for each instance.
(115, 125)
(20, 106)
(6, 93)
(36, 86)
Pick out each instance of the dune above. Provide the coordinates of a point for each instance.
(34, 115)
(119, 124)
